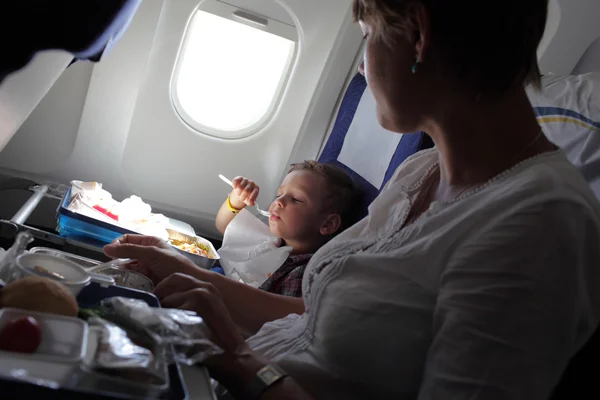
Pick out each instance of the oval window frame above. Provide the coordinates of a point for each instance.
(253, 20)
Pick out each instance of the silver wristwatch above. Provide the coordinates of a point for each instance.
(265, 378)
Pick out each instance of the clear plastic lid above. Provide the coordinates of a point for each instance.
(82, 261)
(121, 276)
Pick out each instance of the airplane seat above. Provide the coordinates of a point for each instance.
(568, 109)
(58, 32)
(359, 145)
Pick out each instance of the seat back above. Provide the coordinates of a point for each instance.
(359, 145)
(568, 109)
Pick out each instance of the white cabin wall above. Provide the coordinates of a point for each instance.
(108, 109)
(52, 126)
(590, 62)
(571, 28)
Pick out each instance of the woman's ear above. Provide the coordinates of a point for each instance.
(331, 225)
(422, 31)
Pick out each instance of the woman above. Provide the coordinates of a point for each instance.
(473, 275)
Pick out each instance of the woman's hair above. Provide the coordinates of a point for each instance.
(343, 195)
(490, 46)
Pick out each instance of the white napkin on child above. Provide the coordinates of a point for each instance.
(250, 252)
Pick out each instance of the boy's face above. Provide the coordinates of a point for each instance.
(298, 213)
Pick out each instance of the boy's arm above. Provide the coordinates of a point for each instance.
(225, 215)
(244, 193)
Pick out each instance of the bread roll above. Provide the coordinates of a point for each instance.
(39, 294)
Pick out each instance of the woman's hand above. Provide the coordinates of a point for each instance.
(152, 257)
(245, 192)
(187, 293)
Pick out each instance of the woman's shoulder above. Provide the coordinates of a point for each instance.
(546, 177)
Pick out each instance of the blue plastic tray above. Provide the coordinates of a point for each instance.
(91, 295)
(76, 226)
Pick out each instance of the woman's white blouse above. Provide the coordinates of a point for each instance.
(484, 297)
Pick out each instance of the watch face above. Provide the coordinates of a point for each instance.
(268, 375)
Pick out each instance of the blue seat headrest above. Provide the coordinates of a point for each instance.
(408, 145)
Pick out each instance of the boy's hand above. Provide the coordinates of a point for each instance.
(245, 192)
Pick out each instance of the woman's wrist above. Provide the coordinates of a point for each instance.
(191, 269)
(235, 370)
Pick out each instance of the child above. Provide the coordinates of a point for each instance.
(314, 203)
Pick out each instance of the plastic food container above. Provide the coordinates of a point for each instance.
(76, 278)
(79, 260)
(81, 227)
(199, 260)
(127, 278)
(97, 381)
(121, 276)
(64, 339)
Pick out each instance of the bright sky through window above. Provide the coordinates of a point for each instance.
(230, 75)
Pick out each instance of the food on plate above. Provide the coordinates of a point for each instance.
(21, 335)
(34, 293)
(194, 248)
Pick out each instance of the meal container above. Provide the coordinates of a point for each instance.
(126, 278)
(97, 380)
(120, 276)
(76, 226)
(201, 261)
(76, 277)
(64, 339)
(79, 260)
(93, 294)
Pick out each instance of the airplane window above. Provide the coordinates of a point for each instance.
(231, 71)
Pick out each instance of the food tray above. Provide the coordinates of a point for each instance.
(73, 225)
(91, 295)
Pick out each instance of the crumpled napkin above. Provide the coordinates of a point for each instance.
(250, 252)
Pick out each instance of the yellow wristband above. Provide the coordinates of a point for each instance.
(232, 208)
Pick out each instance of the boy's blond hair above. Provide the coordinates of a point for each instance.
(343, 195)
